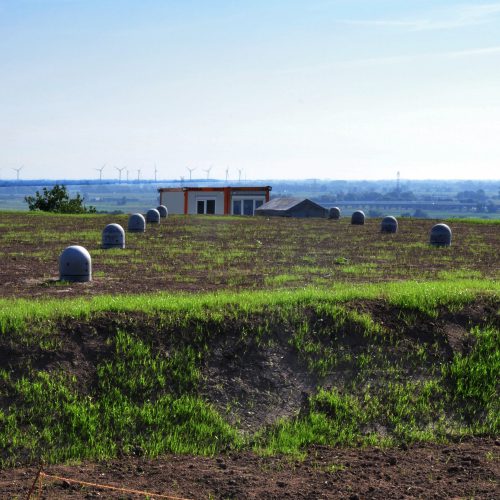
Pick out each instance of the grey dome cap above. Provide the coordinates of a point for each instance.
(440, 235)
(389, 224)
(113, 236)
(163, 210)
(358, 218)
(153, 216)
(75, 264)
(334, 213)
(136, 223)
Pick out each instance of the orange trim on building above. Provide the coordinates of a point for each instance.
(227, 201)
(227, 190)
(267, 189)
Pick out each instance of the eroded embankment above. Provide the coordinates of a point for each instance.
(275, 375)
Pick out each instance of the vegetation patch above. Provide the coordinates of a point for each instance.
(195, 253)
(269, 371)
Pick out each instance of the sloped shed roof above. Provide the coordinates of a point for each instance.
(291, 207)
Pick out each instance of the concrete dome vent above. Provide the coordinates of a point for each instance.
(358, 218)
(75, 264)
(153, 216)
(440, 235)
(113, 236)
(334, 213)
(389, 224)
(163, 211)
(136, 223)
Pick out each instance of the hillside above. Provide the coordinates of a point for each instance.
(282, 363)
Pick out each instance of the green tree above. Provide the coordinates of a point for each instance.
(57, 200)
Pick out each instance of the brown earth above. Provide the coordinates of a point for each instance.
(470, 469)
(459, 470)
(200, 254)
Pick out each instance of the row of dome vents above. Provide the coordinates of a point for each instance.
(440, 233)
(75, 263)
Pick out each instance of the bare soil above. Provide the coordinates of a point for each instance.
(275, 383)
(203, 253)
(469, 469)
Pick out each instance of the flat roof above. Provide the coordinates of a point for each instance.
(219, 188)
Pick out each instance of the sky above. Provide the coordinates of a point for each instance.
(327, 89)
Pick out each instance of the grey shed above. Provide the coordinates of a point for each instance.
(389, 224)
(153, 216)
(113, 236)
(163, 210)
(136, 223)
(291, 207)
(358, 218)
(75, 264)
(334, 213)
(440, 235)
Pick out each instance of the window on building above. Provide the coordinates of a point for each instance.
(210, 207)
(247, 207)
(205, 206)
(236, 207)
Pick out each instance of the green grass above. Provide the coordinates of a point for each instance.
(376, 353)
(423, 296)
(144, 396)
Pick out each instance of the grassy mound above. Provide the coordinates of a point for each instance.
(271, 371)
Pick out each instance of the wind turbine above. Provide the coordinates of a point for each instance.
(182, 180)
(227, 173)
(127, 174)
(138, 174)
(207, 170)
(191, 170)
(18, 170)
(156, 171)
(239, 174)
(120, 173)
(100, 172)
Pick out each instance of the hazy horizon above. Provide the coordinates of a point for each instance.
(328, 89)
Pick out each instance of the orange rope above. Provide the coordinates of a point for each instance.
(104, 486)
(37, 478)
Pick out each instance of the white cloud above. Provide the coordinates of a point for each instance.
(458, 17)
(391, 60)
